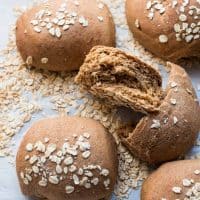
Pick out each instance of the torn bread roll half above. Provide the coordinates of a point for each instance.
(57, 35)
(62, 158)
(173, 180)
(173, 116)
(118, 77)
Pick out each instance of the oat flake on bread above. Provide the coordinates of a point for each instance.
(57, 34)
(170, 29)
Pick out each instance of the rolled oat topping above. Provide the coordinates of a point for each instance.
(59, 21)
(183, 29)
(63, 160)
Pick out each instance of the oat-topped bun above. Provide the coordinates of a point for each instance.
(174, 180)
(170, 29)
(114, 75)
(67, 158)
(58, 34)
(171, 125)
(172, 131)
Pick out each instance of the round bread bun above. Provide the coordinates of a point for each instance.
(170, 133)
(174, 180)
(67, 158)
(57, 35)
(168, 29)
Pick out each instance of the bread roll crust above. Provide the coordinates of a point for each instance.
(58, 131)
(147, 31)
(86, 24)
(162, 182)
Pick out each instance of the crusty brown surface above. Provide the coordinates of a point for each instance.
(65, 53)
(161, 182)
(113, 75)
(172, 137)
(103, 153)
(148, 31)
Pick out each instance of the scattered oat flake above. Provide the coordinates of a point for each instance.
(187, 183)
(29, 60)
(29, 147)
(177, 190)
(156, 124)
(69, 189)
(100, 18)
(58, 32)
(44, 60)
(173, 101)
(175, 120)
(86, 154)
(163, 39)
(37, 29)
(197, 172)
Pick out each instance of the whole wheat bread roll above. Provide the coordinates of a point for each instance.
(173, 180)
(172, 131)
(169, 29)
(58, 34)
(67, 158)
(173, 116)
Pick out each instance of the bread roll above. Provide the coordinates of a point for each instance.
(121, 79)
(174, 180)
(67, 158)
(171, 132)
(57, 35)
(169, 29)
(172, 122)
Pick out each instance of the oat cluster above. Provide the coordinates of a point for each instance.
(61, 20)
(52, 165)
(184, 30)
(192, 188)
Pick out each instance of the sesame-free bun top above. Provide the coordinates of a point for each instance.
(169, 29)
(67, 158)
(57, 35)
(173, 180)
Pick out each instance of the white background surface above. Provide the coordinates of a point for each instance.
(9, 188)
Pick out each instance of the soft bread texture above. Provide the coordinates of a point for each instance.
(169, 134)
(160, 136)
(58, 131)
(122, 79)
(160, 184)
(86, 24)
(147, 31)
